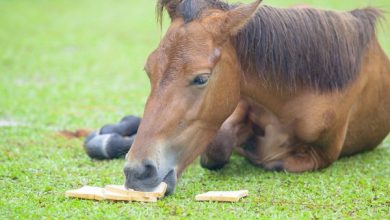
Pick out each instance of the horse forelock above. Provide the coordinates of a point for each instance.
(189, 10)
(296, 47)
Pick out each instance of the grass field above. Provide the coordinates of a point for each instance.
(78, 64)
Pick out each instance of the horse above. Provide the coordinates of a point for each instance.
(290, 89)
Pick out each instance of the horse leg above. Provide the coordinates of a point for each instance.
(235, 130)
(309, 157)
(268, 148)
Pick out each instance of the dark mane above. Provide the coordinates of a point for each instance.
(298, 46)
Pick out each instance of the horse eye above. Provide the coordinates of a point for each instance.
(201, 80)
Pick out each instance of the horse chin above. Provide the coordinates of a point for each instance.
(170, 179)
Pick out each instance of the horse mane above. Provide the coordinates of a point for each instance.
(296, 47)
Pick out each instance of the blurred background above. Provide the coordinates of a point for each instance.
(67, 64)
(80, 63)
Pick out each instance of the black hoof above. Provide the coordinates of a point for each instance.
(131, 118)
(107, 146)
(126, 127)
(211, 165)
(90, 136)
(274, 166)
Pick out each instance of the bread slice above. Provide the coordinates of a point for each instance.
(158, 192)
(120, 189)
(87, 192)
(222, 196)
(123, 197)
(117, 193)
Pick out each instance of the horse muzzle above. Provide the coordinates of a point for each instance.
(146, 176)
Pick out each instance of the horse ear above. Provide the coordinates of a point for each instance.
(237, 18)
(170, 6)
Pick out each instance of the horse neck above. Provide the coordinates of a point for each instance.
(255, 89)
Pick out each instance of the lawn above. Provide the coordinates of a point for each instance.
(78, 64)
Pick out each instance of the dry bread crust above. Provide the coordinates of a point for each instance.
(87, 192)
(117, 193)
(222, 196)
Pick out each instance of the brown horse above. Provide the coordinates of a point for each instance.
(290, 89)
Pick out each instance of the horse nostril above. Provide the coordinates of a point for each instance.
(146, 170)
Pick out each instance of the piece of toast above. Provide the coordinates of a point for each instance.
(158, 192)
(117, 193)
(87, 192)
(222, 196)
(117, 189)
(123, 197)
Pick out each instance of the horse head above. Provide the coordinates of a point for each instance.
(195, 85)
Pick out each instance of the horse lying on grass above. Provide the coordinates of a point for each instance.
(290, 89)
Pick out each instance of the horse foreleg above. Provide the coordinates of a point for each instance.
(233, 132)
(309, 157)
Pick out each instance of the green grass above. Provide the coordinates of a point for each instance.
(76, 64)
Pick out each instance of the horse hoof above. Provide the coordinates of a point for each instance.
(128, 126)
(274, 166)
(130, 118)
(107, 146)
(211, 165)
(90, 136)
